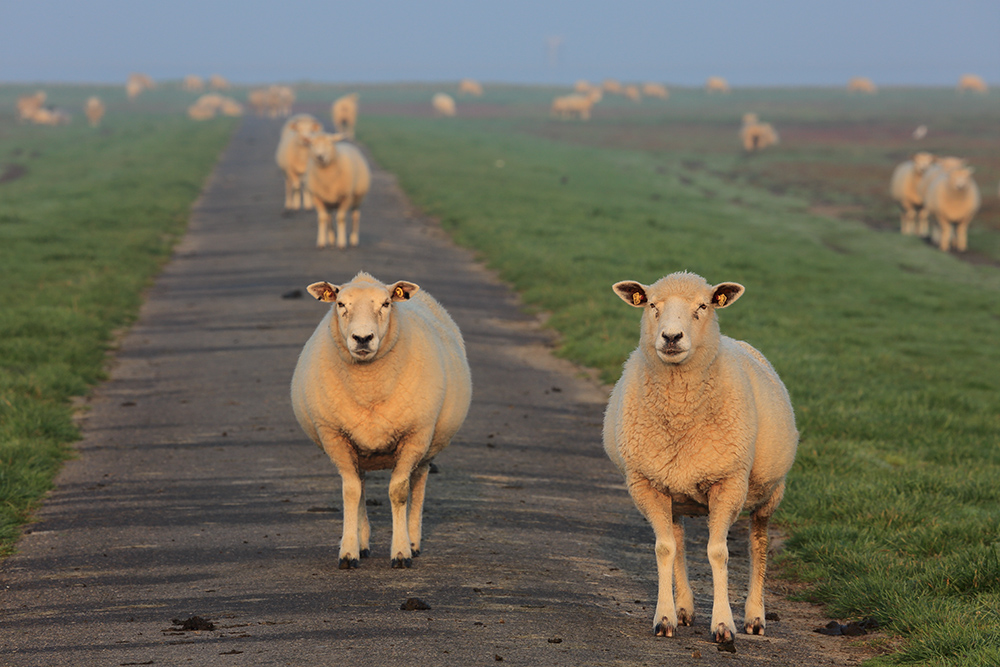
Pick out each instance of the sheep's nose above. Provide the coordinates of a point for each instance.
(363, 341)
(672, 339)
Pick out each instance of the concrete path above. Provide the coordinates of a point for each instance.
(196, 494)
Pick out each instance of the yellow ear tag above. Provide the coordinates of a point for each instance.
(399, 293)
(721, 299)
(636, 298)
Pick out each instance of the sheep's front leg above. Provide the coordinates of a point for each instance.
(323, 223)
(923, 222)
(683, 593)
(342, 226)
(962, 234)
(657, 508)
(907, 221)
(725, 500)
(307, 199)
(364, 528)
(289, 191)
(295, 195)
(418, 484)
(944, 242)
(355, 226)
(409, 455)
(345, 459)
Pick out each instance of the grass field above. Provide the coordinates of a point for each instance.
(887, 345)
(86, 218)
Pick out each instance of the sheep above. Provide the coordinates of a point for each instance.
(50, 116)
(257, 99)
(612, 86)
(582, 86)
(906, 188)
(444, 104)
(345, 114)
(337, 175)
(632, 92)
(973, 83)
(699, 422)
(861, 84)
(218, 82)
(655, 90)
(574, 104)
(756, 135)
(470, 87)
(206, 106)
(27, 105)
(716, 84)
(292, 157)
(137, 83)
(230, 107)
(193, 83)
(939, 164)
(94, 110)
(953, 198)
(382, 383)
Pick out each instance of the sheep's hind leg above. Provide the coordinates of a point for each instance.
(754, 619)
(322, 224)
(418, 484)
(657, 508)
(341, 227)
(962, 235)
(355, 226)
(364, 528)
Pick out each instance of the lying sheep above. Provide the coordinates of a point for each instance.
(27, 105)
(444, 104)
(206, 106)
(953, 198)
(337, 176)
(756, 135)
(973, 83)
(345, 114)
(906, 188)
(716, 84)
(382, 383)
(94, 110)
(655, 90)
(470, 87)
(861, 84)
(218, 82)
(193, 83)
(50, 116)
(699, 421)
(292, 157)
(230, 107)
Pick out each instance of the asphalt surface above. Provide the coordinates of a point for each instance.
(194, 492)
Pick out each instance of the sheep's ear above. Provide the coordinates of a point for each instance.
(631, 292)
(323, 291)
(403, 290)
(725, 294)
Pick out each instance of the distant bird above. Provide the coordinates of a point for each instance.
(920, 132)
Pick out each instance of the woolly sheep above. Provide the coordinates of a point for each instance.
(94, 110)
(337, 176)
(292, 157)
(49, 116)
(27, 105)
(699, 420)
(716, 84)
(345, 114)
(612, 86)
(861, 84)
(206, 106)
(574, 104)
(218, 82)
(756, 135)
(470, 87)
(137, 83)
(953, 198)
(193, 83)
(655, 90)
(632, 92)
(972, 82)
(582, 86)
(907, 190)
(444, 104)
(939, 165)
(230, 107)
(382, 383)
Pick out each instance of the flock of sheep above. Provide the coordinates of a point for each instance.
(942, 186)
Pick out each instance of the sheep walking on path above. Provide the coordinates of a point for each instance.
(345, 114)
(699, 420)
(292, 157)
(906, 188)
(953, 199)
(337, 176)
(382, 383)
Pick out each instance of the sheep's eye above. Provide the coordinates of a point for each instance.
(698, 310)
(385, 305)
(340, 304)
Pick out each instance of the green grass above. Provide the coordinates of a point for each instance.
(888, 346)
(82, 232)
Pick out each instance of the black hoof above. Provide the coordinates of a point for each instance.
(416, 552)
(755, 627)
(349, 563)
(684, 617)
(663, 629)
(401, 563)
(365, 553)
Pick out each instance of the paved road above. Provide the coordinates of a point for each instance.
(195, 492)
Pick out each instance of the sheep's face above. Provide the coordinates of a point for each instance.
(677, 311)
(323, 147)
(960, 178)
(362, 312)
(921, 161)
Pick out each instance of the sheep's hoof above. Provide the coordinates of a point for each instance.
(663, 629)
(755, 627)
(365, 553)
(684, 617)
(401, 563)
(347, 563)
(722, 634)
(415, 552)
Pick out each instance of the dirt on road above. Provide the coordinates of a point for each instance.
(198, 525)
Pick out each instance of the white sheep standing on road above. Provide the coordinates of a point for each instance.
(953, 199)
(906, 188)
(699, 420)
(337, 176)
(292, 157)
(383, 382)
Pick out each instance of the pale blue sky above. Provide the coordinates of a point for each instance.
(767, 42)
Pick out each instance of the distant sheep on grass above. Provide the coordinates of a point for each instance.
(953, 199)
(572, 105)
(94, 110)
(27, 105)
(632, 92)
(699, 422)
(972, 83)
(383, 383)
(716, 84)
(470, 87)
(657, 90)
(337, 176)
(612, 86)
(861, 84)
(756, 135)
(193, 83)
(218, 82)
(444, 104)
(907, 189)
(344, 113)
(292, 158)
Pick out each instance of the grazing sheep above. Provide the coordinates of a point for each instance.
(337, 176)
(655, 90)
(582, 86)
(632, 92)
(973, 83)
(345, 114)
(230, 107)
(137, 83)
(94, 110)
(756, 135)
(206, 106)
(612, 86)
(470, 87)
(292, 157)
(382, 383)
(861, 84)
(49, 116)
(218, 82)
(699, 420)
(273, 101)
(27, 105)
(193, 83)
(257, 99)
(444, 104)
(906, 188)
(574, 104)
(953, 198)
(716, 84)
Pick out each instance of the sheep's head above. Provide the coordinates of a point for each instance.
(921, 161)
(679, 312)
(362, 311)
(961, 177)
(323, 147)
(750, 119)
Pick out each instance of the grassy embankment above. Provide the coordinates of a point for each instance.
(888, 346)
(86, 219)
